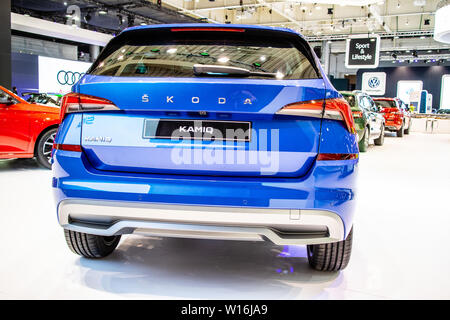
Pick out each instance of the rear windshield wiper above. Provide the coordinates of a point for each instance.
(216, 70)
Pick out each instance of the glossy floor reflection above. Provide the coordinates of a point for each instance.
(179, 268)
(400, 243)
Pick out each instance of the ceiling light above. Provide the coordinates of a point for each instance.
(279, 75)
(223, 59)
(172, 50)
(419, 3)
(102, 11)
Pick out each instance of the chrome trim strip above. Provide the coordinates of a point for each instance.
(108, 218)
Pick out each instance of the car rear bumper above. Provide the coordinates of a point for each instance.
(393, 124)
(280, 226)
(316, 208)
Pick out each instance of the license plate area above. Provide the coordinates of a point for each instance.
(207, 130)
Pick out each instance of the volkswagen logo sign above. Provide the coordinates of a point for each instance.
(374, 82)
(68, 77)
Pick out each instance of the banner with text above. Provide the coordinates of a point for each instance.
(362, 52)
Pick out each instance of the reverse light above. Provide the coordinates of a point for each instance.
(334, 109)
(75, 102)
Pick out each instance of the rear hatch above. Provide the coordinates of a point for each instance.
(218, 90)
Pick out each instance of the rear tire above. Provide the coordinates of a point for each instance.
(400, 131)
(380, 140)
(89, 245)
(44, 148)
(409, 127)
(330, 256)
(364, 143)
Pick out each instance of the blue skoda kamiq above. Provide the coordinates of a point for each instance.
(207, 131)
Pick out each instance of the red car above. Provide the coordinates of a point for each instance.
(396, 115)
(26, 130)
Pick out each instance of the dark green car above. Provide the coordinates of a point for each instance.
(369, 122)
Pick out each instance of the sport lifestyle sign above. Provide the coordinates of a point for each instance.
(362, 52)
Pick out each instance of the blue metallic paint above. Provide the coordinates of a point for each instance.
(325, 185)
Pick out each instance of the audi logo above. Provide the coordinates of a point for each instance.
(68, 77)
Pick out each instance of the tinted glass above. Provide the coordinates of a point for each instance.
(351, 100)
(176, 58)
(5, 98)
(386, 103)
(364, 102)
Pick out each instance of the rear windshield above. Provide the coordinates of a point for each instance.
(175, 55)
(386, 103)
(351, 99)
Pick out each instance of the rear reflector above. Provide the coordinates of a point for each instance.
(67, 147)
(334, 109)
(208, 29)
(336, 156)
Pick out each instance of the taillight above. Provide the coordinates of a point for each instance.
(335, 109)
(67, 147)
(336, 156)
(208, 29)
(75, 102)
(357, 114)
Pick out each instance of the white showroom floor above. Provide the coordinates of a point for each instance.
(401, 243)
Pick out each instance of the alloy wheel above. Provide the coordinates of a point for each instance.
(47, 147)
